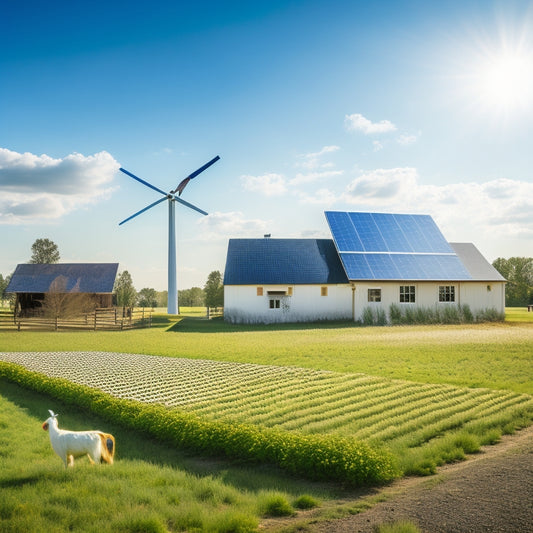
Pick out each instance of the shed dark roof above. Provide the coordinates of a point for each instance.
(64, 277)
(282, 261)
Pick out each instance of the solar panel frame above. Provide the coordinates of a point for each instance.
(393, 247)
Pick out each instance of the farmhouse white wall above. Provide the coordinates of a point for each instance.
(475, 294)
(243, 305)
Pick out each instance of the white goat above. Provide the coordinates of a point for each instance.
(98, 446)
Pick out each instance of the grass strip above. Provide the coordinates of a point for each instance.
(318, 457)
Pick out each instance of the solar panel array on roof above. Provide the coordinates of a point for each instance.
(282, 261)
(393, 247)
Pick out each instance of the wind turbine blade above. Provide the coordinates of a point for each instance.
(142, 181)
(194, 174)
(143, 210)
(201, 169)
(190, 205)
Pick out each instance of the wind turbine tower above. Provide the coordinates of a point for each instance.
(172, 307)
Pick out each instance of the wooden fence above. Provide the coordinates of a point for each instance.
(113, 318)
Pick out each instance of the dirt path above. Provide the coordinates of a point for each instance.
(491, 492)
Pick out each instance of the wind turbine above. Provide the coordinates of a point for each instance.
(172, 307)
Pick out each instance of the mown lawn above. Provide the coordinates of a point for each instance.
(493, 355)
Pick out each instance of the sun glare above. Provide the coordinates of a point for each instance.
(505, 81)
(494, 70)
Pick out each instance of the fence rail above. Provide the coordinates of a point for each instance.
(113, 318)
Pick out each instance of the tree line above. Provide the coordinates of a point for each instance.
(211, 295)
(518, 271)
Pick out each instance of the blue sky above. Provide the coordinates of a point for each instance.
(400, 107)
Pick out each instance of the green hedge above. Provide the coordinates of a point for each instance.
(320, 457)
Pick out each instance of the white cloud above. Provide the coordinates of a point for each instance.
(377, 146)
(267, 184)
(38, 188)
(314, 176)
(358, 122)
(313, 161)
(405, 139)
(322, 197)
(233, 224)
(377, 185)
(465, 211)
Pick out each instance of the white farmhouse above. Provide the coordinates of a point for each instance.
(373, 261)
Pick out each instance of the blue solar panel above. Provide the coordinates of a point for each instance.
(417, 239)
(346, 237)
(393, 247)
(281, 261)
(356, 266)
(393, 235)
(368, 232)
(360, 266)
(434, 237)
(63, 277)
(383, 266)
(409, 266)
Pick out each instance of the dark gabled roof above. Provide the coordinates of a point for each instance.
(63, 277)
(282, 261)
(478, 267)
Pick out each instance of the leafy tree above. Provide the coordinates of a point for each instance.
(214, 290)
(162, 298)
(3, 286)
(147, 298)
(193, 297)
(44, 251)
(518, 271)
(124, 290)
(3, 296)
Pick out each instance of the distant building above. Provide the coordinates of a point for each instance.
(31, 283)
(373, 261)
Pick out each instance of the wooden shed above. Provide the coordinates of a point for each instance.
(36, 284)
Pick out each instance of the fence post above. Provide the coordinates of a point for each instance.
(56, 323)
(95, 320)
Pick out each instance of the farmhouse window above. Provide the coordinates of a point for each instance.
(407, 294)
(374, 295)
(259, 291)
(446, 293)
(274, 304)
(323, 291)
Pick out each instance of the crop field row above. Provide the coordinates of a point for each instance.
(408, 417)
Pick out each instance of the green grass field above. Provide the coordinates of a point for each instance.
(151, 488)
(428, 393)
(493, 355)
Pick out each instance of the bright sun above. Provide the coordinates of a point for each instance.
(504, 81)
